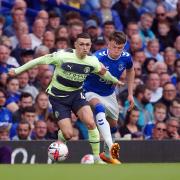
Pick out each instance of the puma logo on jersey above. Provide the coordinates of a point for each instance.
(70, 67)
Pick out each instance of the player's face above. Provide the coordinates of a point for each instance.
(82, 46)
(115, 49)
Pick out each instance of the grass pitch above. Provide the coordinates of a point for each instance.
(127, 171)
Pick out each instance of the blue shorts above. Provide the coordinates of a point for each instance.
(62, 106)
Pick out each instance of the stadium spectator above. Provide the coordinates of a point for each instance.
(4, 55)
(22, 28)
(142, 96)
(24, 86)
(159, 132)
(139, 56)
(40, 131)
(164, 78)
(165, 36)
(25, 100)
(13, 94)
(61, 32)
(92, 29)
(105, 13)
(153, 83)
(169, 94)
(52, 127)
(99, 43)
(54, 21)
(174, 111)
(160, 67)
(169, 59)
(107, 29)
(10, 59)
(5, 114)
(4, 133)
(24, 45)
(75, 29)
(44, 80)
(148, 66)
(29, 115)
(18, 15)
(127, 12)
(135, 43)
(42, 106)
(137, 69)
(44, 16)
(61, 43)
(176, 73)
(49, 41)
(33, 77)
(23, 131)
(172, 128)
(152, 50)
(145, 25)
(38, 30)
(130, 126)
(177, 46)
(160, 114)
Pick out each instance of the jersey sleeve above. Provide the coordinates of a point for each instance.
(96, 64)
(129, 62)
(53, 58)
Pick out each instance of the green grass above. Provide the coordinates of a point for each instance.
(141, 171)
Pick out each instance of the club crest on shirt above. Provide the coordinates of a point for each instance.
(121, 67)
(87, 70)
(56, 114)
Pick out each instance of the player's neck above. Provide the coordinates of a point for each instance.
(80, 56)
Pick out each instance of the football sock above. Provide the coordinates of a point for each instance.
(61, 137)
(106, 148)
(94, 140)
(103, 124)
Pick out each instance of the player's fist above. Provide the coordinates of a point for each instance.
(11, 72)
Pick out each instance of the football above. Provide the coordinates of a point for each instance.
(57, 151)
(87, 159)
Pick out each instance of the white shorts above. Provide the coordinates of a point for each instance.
(110, 103)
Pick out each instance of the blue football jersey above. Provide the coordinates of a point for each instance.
(95, 83)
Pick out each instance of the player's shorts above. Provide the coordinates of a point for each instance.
(110, 103)
(62, 106)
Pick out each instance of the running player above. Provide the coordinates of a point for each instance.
(65, 89)
(101, 93)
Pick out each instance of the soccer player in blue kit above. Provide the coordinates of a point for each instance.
(101, 93)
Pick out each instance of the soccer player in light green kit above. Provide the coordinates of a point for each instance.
(65, 90)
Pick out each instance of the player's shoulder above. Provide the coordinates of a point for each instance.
(125, 54)
(101, 52)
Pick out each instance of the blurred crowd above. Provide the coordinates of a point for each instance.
(33, 28)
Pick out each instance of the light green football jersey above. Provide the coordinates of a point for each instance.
(70, 71)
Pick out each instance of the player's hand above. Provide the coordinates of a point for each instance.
(120, 83)
(131, 102)
(11, 72)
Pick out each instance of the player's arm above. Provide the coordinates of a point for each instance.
(105, 74)
(130, 80)
(47, 59)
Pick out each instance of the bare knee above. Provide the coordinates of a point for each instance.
(91, 124)
(68, 134)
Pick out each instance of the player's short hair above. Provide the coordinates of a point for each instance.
(83, 35)
(118, 36)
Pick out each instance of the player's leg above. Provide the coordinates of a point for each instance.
(85, 115)
(66, 129)
(99, 110)
(81, 108)
(112, 112)
(63, 115)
